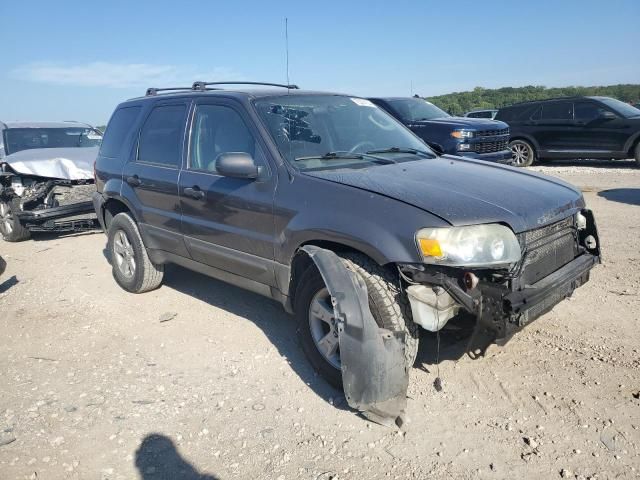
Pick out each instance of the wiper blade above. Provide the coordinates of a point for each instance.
(411, 151)
(333, 156)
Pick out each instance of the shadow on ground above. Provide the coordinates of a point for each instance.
(630, 196)
(8, 283)
(277, 325)
(158, 459)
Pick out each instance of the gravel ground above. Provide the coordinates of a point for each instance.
(203, 380)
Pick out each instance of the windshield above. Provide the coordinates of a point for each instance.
(416, 109)
(317, 132)
(17, 139)
(622, 108)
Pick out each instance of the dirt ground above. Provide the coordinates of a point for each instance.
(201, 380)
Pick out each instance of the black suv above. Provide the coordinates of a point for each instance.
(480, 138)
(575, 127)
(327, 204)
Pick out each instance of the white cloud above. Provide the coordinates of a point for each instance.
(119, 75)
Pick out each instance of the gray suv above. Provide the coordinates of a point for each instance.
(330, 206)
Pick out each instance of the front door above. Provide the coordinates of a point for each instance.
(227, 222)
(596, 133)
(151, 177)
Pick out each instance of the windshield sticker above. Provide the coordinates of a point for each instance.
(363, 102)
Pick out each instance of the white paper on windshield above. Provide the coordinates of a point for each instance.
(363, 102)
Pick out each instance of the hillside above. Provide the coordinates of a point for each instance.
(458, 103)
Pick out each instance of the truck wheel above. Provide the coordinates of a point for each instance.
(314, 314)
(131, 266)
(522, 153)
(10, 227)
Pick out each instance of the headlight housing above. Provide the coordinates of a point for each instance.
(462, 133)
(470, 246)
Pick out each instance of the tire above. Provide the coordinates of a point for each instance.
(131, 267)
(389, 306)
(10, 227)
(637, 154)
(522, 153)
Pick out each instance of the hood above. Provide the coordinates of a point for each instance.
(466, 191)
(463, 122)
(62, 163)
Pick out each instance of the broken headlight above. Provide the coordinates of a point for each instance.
(470, 246)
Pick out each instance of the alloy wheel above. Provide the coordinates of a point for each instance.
(520, 153)
(6, 217)
(124, 254)
(323, 328)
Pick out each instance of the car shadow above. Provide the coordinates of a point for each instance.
(278, 326)
(630, 196)
(8, 283)
(450, 343)
(48, 236)
(158, 459)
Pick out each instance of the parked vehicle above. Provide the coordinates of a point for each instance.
(481, 114)
(572, 128)
(483, 139)
(45, 168)
(327, 204)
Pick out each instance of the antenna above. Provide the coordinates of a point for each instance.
(286, 44)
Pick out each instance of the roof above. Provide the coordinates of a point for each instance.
(396, 98)
(69, 124)
(544, 100)
(235, 92)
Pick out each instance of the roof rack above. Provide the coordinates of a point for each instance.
(203, 85)
(154, 91)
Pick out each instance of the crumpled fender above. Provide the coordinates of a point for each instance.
(375, 374)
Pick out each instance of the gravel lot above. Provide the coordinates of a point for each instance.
(203, 380)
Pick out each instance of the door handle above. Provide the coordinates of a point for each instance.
(134, 181)
(194, 192)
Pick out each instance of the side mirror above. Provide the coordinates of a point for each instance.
(236, 165)
(607, 115)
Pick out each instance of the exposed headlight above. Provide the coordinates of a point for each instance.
(471, 246)
(462, 134)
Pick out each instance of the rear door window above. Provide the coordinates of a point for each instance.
(162, 136)
(557, 111)
(119, 126)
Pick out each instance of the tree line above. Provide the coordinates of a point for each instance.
(458, 103)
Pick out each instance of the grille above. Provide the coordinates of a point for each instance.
(490, 147)
(548, 248)
(491, 133)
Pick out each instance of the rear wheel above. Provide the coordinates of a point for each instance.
(10, 227)
(316, 323)
(522, 153)
(131, 266)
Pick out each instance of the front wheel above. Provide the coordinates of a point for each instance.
(522, 153)
(10, 227)
(131, 266)
(316, 323)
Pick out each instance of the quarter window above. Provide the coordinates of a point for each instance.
(117, 130)
(557, 111)
(217, 129)
(161, 136)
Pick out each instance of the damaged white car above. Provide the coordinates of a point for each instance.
(46, 177)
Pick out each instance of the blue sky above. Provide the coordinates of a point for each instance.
(77, 60)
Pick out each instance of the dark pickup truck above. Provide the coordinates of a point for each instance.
(329, 205)
(480, 138)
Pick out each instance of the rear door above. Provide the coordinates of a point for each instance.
(151, 176)
(228, 222)
(555, 128)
